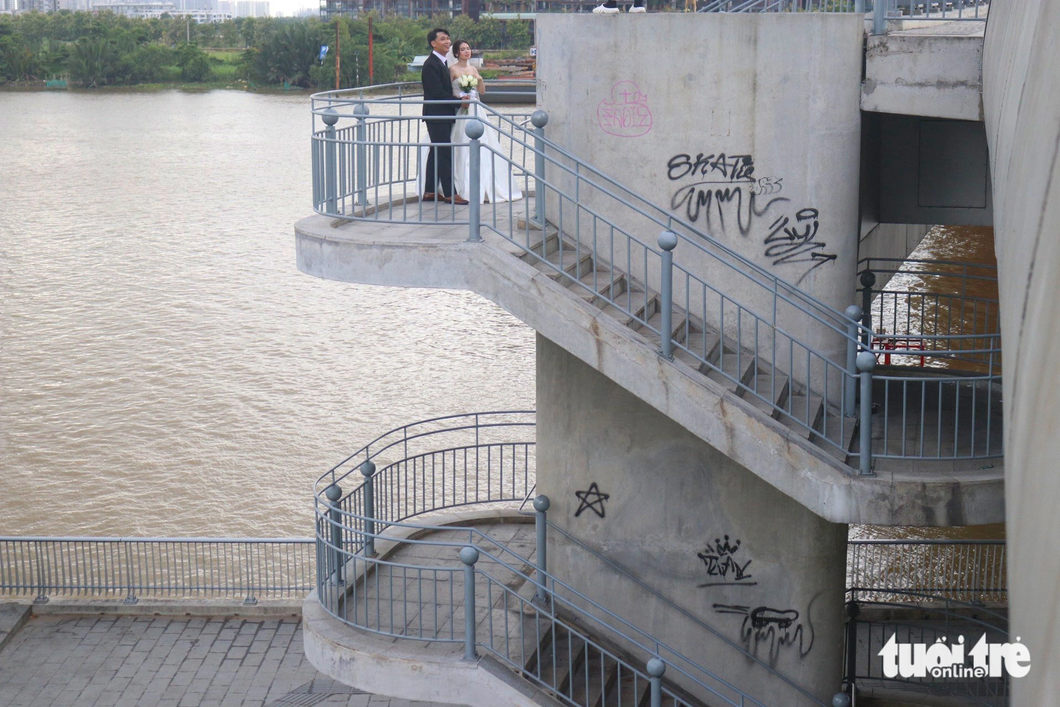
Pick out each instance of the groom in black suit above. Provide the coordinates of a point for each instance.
(437, 86)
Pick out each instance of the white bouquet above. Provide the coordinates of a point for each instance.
(467, 83)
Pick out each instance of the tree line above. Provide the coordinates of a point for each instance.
(93, 50)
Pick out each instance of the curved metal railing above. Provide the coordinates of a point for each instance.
(771, 331)
(368, 501)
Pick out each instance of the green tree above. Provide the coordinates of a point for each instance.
(93, 62)
(147, 63)
(287, 56)
(193, 62)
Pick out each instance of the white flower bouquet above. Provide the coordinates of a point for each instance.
(467, 83)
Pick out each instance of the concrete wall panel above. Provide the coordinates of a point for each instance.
(745, 125)
(1021, 97)
(927, 75)
(775, 584)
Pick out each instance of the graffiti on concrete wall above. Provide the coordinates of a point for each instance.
(592, 500)
(791, 242)
(767, 632)
(723, 568)
(721, 191)
(722, 194)
(625, 113)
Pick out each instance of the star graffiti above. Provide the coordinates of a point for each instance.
(592, 500)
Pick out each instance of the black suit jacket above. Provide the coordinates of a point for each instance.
(437, 86)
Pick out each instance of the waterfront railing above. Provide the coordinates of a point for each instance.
(970, 571)
(368, 170)
(247, 569)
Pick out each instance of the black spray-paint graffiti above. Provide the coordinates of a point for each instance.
(726, 191)
(771, 630)
(592, 500)
(722, 565)
(794, 242)
(725, 186)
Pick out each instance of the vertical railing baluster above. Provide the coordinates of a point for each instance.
(473, 128)
(853, 313)
(667, 241)
(361, 188)
(866, 362)
(469, 556)
(541, 505)
(656, 668)
(539, 120)
(330, 117)
(334, 493)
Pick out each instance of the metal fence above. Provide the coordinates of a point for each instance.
(881, 10)
(800, 360)
(156, 568)
(971, 571)
(933, 305)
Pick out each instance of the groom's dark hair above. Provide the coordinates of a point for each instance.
(433, 34)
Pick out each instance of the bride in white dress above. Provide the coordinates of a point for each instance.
(497, 177)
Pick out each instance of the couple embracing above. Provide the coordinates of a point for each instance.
(447, 77)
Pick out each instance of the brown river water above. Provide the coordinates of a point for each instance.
(165, 370)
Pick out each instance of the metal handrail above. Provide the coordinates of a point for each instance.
(716, 331)
(347, 533)
(138, 568)
(941, 10)
(538, 143)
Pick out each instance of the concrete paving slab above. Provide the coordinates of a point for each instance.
(12, 617)
(109, 661)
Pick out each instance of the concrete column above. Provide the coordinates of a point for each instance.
(744, 559)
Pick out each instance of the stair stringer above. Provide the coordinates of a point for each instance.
(440, 257)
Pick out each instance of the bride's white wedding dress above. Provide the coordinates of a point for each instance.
(497, 177)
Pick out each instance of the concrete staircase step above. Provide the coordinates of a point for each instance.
(598, 283)
(767, 390)
(677, 328)
(569, 261)
(555, 656)
(575, 660)
(807, 409)
(638, 304)
(629, 689)
(598, 676)
(734, 366)
(547, 245)
(525, 225)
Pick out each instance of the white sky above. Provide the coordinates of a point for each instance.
(292, 7)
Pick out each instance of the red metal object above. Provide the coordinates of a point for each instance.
(889, 343)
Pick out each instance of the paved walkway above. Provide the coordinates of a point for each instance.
(119, 661)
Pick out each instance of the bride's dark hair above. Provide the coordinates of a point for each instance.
(456, 47)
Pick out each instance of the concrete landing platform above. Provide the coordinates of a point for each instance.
(439, 256)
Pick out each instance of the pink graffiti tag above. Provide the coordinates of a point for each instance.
(626, 114)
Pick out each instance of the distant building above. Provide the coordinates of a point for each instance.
(403, 8)
(37, 5)
(142, 9)
(148, 9)
(245, 8)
